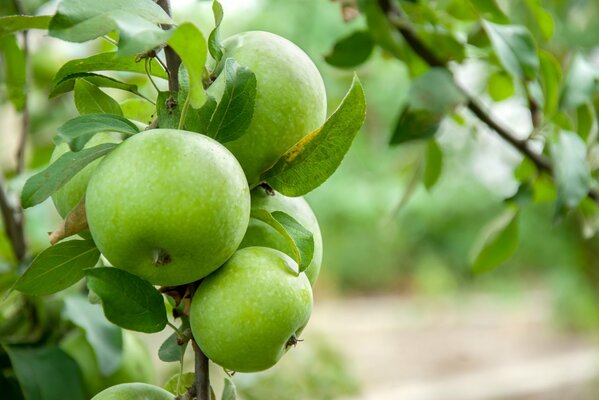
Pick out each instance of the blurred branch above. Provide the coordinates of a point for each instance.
(396, 17)
(13, 224)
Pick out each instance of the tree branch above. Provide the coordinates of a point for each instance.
(395, 16)
(173, 61)
(13, 224)
(202, 376)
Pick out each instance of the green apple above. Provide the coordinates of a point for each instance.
(249, 312)
(262, 234)
(134, 391)
(68, 196)
(169, 206)
(290, 98)
(136, 366)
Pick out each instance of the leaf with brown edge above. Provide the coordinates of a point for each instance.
(313, 159)
(75, 222)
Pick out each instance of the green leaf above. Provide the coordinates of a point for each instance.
(185, 381)
(46, 373)
(138, 110)
(313, 159)
(170, 350)
(68, 83)
(351, 51)
(500, 86)
(168, 111)
(488, 9)
(381, 30)
(129, 301)
(43, 184)
(498, 242)
(58, 267)
(515, 48)
(83, 20)
(229, 390)
(585, 120)
(431, 96)
(198, 120)
(15, 23)
(105, 338)
(433, 166)
(189, 43)
(110, 61)
(550, 78)
(542, 18)
(572, 172)
(300, 240)
(14, 70)
(580, 83)
(78, 131)
(447, 47)
(91, 100)
(234, 112)
(214, 43)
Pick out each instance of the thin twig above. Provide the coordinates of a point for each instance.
(419, 47)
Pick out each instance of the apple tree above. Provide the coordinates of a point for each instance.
(181, 210)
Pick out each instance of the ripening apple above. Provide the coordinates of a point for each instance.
(134, 391)
(68, 196)
(249, 312)
(136, 365)
(290, 98)
(262, 234)
(169, 206)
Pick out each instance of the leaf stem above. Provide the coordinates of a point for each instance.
(184, 111)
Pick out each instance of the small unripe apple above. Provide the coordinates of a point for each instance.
(136, 365)
(290, 98)
(262, 234)
(169, 206)
(68, 196)
(250, 311)
(134, 391)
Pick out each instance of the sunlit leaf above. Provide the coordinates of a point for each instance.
(78, 131)
(433, 166)
(572, 172)
(580, 83)
(15, 23)
(498, 242)
(214, 43)
(13, 59)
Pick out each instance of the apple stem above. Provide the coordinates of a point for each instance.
(202, 376)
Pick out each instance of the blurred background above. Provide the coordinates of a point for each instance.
(398, 312)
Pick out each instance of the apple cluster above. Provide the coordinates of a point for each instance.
(173, 207)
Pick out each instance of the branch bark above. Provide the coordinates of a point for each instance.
(394, 14)
(202, 376)
(173, 61)
(13, 224)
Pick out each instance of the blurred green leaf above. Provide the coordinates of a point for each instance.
(110, 61)
(572, 172)
(91, 100)
(14, 70)
(432, 95)
(15, 23)
(138, 110)
(580, 83)
(185, 381)
(315, 158)
(381, 30)
(488, 9)
(351, 51)
(585, 120)
(79, 130)
(550, 77)
(229, 390)
(214, 45)
(43, 184)
(189, 43)
(542, 18)
(498, 242)
(500, 86)
(544, 190)
(46, 373)
(58, 267)
(300, 240)
(515, 48)
(434, 164)
(105, 338)
(128, 301)
(136, 20)
(234, 112)
(445, 45)
(68, 83)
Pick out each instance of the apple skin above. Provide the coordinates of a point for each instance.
(290, 98)
(262, 234)
(134, 391)
(169, 206)
(136, 366)
(243, 315)
(68, 196)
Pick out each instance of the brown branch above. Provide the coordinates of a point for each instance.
(395, 16)
(13, 224)
(202, 376)
(173, 61)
